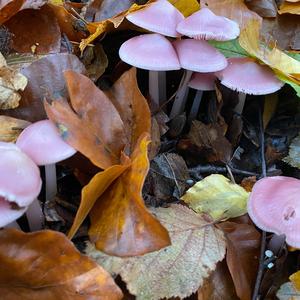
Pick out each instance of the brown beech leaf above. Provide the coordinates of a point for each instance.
(265, 8)
(92, 125)
(11, 128)
(26, 38)
(50, 80)
(120, 223)
(243, 246)
(233, 9)
(175, 271)
(46, 265)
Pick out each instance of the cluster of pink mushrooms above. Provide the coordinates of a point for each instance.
(190, 50)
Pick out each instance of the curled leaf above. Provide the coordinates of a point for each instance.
(11, 128)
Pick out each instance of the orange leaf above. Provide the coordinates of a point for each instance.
(233, 9)
(93, 125)
(46, 265)
(9, 8)
(290, 8)
(120, 223)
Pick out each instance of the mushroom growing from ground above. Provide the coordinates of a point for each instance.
(274, 206)
(248, 77)
(20, 183)
(159, 17)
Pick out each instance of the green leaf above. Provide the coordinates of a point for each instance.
(230, 48)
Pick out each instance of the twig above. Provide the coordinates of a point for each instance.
(261, 266)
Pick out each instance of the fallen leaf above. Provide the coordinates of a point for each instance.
(230, 48)
(175, 271)
(46, 265)
(219, 285)
(11, 81)
(243, 248)
(289, 8)
(265, 8)
(11, 128)
(218, 197)
(235, 10)
(288, 292)
(295, 279)
(26, 39)
(293, 157)
(186, 7)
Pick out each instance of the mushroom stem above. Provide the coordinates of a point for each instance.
(240, 106)
(13, 224)
(195, 106)
(181, 95)
(157, 87)
(51, 185)
(35, 216)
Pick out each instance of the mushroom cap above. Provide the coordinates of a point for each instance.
(150, 52)
(43, 144)
(160, 17)
(20, 182)
(199, 56)
(244, 75)
(202, 81)
(274, 206)
(205, 25)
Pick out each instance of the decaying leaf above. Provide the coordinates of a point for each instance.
(11, 81)
(293, 157)
(175, 271)
(218, 197)
(288, 292)
(46, 265)
(289, 8)
(265, 8)
(243, 248)
(11, 128)
(295, 279)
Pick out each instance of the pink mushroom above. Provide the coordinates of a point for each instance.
(151, 52)
(205, 25)
(248, 77)
(20, 183)
(274, 206)
(43, 144)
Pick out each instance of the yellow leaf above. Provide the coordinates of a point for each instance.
(217, 196)
(281, 63)
(290, 8)
(186, 7)
(295, 279)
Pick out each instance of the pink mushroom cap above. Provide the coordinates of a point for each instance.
(150, 52)
(160, 17)
(42, 142)
(274, 206)
(199, 56)
(202, 81)
(205, 25)
(20, 182)
(244, 75)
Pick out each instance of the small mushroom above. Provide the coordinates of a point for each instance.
(248, 77)
(43, 144)
(151, 52)
(20, 183)
(274, 206)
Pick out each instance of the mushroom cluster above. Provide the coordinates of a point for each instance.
(20, 181)
(191, 51)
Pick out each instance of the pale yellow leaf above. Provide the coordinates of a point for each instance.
(218, 197)
(177, 270)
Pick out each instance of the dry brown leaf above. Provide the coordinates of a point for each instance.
(265, 8)
(243, 246)
(27, 39)
(46, 265)
(233, 9)
(11, 128)
(11, 81)
(175, 271)
(50, 80)
(290, 8)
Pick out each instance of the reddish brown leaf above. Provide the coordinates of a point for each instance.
(120, 223)
(8, 8)
(93, 125)
(50, 80)
(243, 243)
(26, 37)
(46, 265)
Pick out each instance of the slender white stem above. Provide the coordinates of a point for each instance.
(35, 216)
(195, 106)
(240, 106)
(181, 95)
(13, 224)
(157, 87)
(51, 185)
